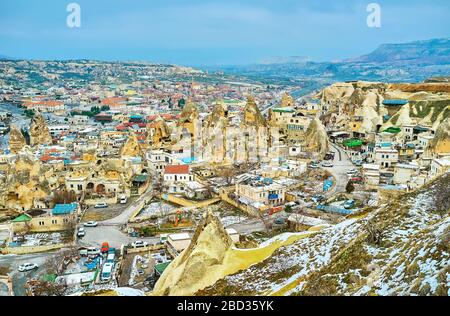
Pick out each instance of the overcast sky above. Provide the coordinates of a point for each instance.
(195, 32)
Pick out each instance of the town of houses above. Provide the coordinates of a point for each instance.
(113, 166)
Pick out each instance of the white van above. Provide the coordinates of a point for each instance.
(123, 199)
(107, 272)
(92, 251)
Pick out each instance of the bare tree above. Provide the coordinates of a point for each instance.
(64, 197)
(375, 233)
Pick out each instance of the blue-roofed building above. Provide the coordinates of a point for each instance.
(64, 209)
(395, 102)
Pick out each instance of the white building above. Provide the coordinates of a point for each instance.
(386, 157)
(175, 176)
(439, 166)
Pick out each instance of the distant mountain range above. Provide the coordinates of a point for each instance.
(435, 51)
(3, 57)
(407, 62)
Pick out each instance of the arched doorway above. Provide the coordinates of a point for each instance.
(100, 189)
(90, 186)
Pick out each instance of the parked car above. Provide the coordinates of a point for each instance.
(28, 267)
(123, 200)
(90, 224)
(139, 244)
(349, 204)
(356, 179)
(279, 221)
(352, 172)
(317, 198)
(81, 232)
(101, 205)
(92, 251)
(105, 247)
(313, 166)
(327, 164)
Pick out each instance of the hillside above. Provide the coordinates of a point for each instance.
(435, 51)
(405, 62)
(399, 248)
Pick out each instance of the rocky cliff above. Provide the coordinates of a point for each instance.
(16, 140)
(440, 144)
(429, 103)
(194, 268)
(316, 139)
(131, 147)
(252, 114)
(39, 133)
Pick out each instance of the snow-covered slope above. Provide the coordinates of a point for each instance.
(398, 248)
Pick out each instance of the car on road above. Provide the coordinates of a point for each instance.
(101, 205)
(356, 179)
(358, 163)
(81, 232)
(123, 200)
(105, 247)
(90, 224)
(352, 172)
(317, 198)
(349, 204)
(327, 164)
(28, 267)
(92, 251)
(139, 244)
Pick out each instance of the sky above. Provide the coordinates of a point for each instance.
(213, 32)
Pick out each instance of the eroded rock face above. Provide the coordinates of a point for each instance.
(26, 182)
(287, 100)
(193, 269)
(316, 138)
(189, 113)
(16, 140)
(252, 114)
(219, 114)
(440, 144)
(131, 147)
(158, 132)
(39, 133)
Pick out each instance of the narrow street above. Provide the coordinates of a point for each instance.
(110, 230)
(19, 278)
(341, 164)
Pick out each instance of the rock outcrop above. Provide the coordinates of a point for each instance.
(316, 139)
(287, 100)
(440, 144)
(16, 140)
(158, 132)
(189, 113)
(219, 115)
(39, 133)
(252, 114)
(194, 268)
(131, 147)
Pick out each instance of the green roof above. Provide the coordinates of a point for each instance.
(352, 142)
(22, 218)
(140, 178)
(159, 268)
(283, 110)
(393, 130)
